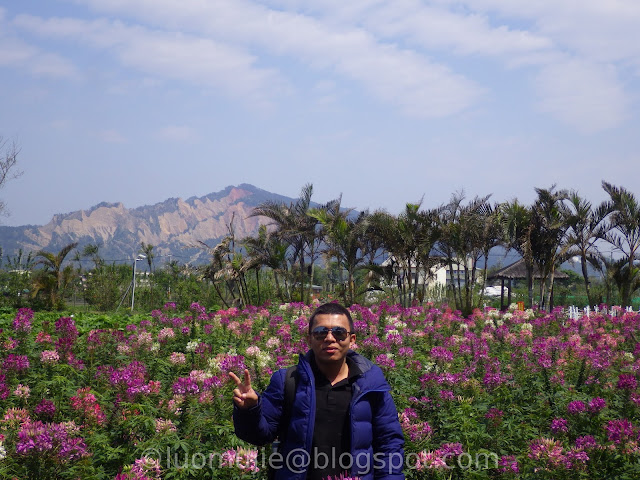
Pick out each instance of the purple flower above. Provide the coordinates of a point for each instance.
(576, 407)
(596, 404)
(22, 321)
(55, 440)
(619, 430)
(185, 385)
(405, 352)
(16, 363)
(46, 408)
(559, 425)
(586, 442)
(508, 463)
(627, 381)
(385, 361)
(441, 353)
(447, 395)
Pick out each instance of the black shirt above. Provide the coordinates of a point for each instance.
(331, 431)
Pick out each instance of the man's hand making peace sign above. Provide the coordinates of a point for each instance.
(244, 396)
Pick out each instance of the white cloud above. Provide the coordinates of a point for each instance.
(396, 51)
(19, 54)
(584, 95)
(595, 29)
(401, 77)
(171, 55)
(433, 27)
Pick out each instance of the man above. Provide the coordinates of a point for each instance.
(342, 417)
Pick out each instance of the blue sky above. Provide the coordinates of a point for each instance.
(382, 101)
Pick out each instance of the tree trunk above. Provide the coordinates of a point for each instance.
(530, 284)
(549, 292)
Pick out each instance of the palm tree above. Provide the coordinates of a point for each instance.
(548, 237)
(345, 238)
(624, 234)
(229, 266)
(92, 250)
(468, 233)
(53, 279)
(586, 226)
(515, 220)
(298, 230)
(408, 239)
(147, 250)
(266, 250)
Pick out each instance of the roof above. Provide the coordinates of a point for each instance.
(519, 270)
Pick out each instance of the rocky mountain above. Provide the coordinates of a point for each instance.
(174, 227)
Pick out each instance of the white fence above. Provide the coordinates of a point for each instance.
(576, 312)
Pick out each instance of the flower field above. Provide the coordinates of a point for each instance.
(507, 395)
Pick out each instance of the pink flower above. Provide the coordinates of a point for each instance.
(22, 391)
(49, 357)
(177, 358)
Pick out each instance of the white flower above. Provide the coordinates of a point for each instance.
(263, 359)
(252, 351)
(464, 326)
(526, 326)
(3, 452)
(628, 356)
(430, 367)
(155, 346)
(499, 323)
(191, 346)
(214, 364)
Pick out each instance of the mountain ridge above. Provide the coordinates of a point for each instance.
(173, 226)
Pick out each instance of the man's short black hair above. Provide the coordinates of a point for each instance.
(331, 308)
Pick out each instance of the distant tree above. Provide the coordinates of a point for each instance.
(548, 237)
(53, 279)
(624, 235)
(468, 232)
(8, 163)
(345, 240)
(147, 250)
(409, 239)
(296, 228)
(92, 251)
(587, 225)
(515, 220)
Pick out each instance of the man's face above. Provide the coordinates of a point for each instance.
(330, 349)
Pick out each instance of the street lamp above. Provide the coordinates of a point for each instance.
(133, 282)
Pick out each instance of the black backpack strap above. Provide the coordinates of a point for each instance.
(290, 385)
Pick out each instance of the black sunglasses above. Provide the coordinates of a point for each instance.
(339, 333)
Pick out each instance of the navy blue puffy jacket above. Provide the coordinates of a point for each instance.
(377, 440)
